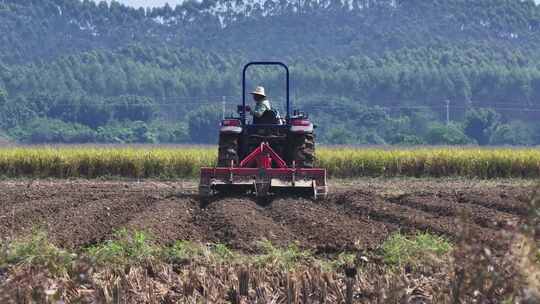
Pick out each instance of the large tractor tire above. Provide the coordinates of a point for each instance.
(303, 149)
(228, 150)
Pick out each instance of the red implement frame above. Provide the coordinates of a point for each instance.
(263, 169)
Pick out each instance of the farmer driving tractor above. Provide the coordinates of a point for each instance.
(261, 102)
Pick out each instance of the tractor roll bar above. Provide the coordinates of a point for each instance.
(243, 114)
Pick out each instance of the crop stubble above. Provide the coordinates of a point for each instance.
(81, 213)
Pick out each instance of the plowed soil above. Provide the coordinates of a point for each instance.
(360, 214)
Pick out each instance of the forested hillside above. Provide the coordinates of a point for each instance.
(369, 71)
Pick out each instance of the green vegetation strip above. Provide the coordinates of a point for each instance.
(400, 250)
(173, 162)
(137, 248)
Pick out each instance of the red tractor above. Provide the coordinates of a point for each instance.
(268, 155)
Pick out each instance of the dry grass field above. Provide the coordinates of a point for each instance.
(184, 162)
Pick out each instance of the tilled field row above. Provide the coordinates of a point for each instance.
(81, 213)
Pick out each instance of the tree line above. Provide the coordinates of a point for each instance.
(80, 71)
(43, 29)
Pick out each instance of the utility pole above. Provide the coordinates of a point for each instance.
(223, 104)
(448, 112)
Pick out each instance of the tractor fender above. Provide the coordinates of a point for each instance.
(302, 129)
(231, 129)
(231, 125)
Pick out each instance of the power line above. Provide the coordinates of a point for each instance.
(348, 107)
(224, 101)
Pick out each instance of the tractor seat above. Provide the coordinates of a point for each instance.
(269, 117)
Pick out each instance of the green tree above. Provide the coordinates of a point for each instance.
(16, 112)
(340, 136)
(439, 134)
(480, 123)
(93, 112)
(126, 132)
(513, 133)
(3, 99)
(142, 133)
(42, 130)
(406, 139)
(133, 108)
(204, 124)
(170, 132)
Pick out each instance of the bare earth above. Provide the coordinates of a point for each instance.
(361, 213)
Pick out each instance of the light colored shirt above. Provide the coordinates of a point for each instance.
(261, 107)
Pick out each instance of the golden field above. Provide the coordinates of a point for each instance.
(184, 162)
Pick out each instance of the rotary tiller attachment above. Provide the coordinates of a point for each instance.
(263, 172)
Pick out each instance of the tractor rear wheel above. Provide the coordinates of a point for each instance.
(303, 149)
(228, 149)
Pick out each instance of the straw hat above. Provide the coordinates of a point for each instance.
(259, 91)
